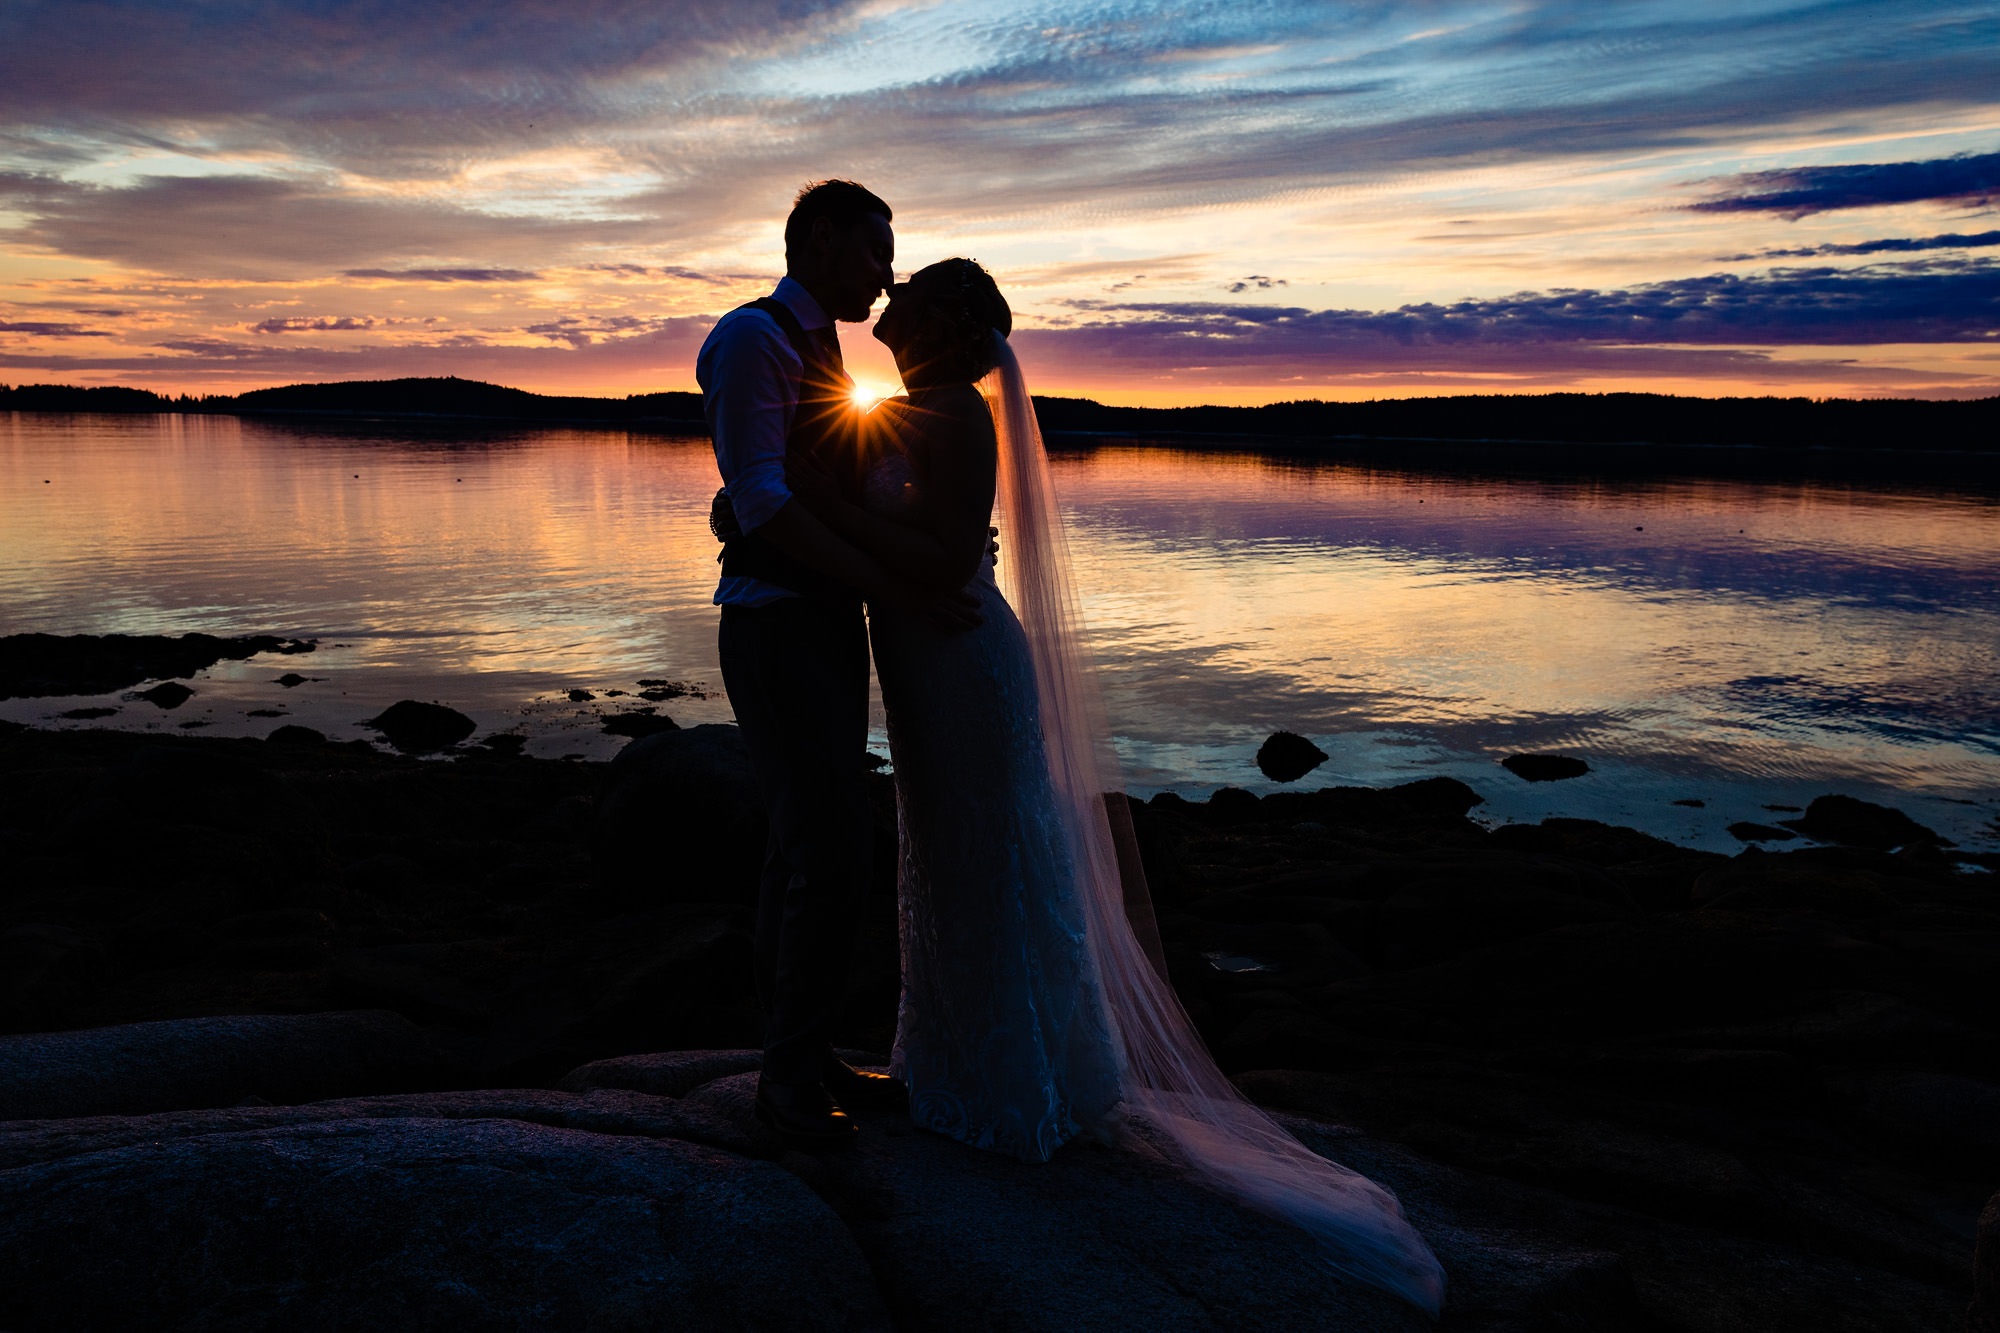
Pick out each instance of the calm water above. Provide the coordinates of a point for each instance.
(1745, 643)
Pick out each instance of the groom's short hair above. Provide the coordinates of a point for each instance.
(842, 203)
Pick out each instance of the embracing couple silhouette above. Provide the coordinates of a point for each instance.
(1035, 1006)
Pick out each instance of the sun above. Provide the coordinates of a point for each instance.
(866, 394)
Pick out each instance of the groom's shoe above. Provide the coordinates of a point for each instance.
(804, 1115)
(862, 1090)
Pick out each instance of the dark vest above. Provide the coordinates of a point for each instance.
(825, 430)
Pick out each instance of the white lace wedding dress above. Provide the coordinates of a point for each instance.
(1001, 1036)
(1035, 1006)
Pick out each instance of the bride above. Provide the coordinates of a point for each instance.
(1034, 1007)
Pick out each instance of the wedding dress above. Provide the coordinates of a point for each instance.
(1035, 1006)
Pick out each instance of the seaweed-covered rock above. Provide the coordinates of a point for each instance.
(1544, 767)
(1859, 823)
(415, 727)
(1287, 756)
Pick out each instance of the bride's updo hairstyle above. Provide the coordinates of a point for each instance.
(965, 309)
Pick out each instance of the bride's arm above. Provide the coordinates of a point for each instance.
(945, 538)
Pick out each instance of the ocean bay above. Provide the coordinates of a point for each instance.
(1742, 641)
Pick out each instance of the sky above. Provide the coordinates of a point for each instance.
(1238, 202)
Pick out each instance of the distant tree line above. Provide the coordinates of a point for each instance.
(1569, 418)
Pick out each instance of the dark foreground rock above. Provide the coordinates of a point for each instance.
(681, 819)
(414, 1222)
(199, 1062)
(33, 665)
(1766, 1080)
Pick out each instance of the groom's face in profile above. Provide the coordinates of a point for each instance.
(857, 265)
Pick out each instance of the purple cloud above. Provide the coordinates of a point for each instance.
(295, 324)
(1796, 192)
(1887, 245)
(446, 274)
(41, 329)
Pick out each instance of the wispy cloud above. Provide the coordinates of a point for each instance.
(322, 324)
(43, 329)
(447, 274)
(1886, 245)
(1795, 192)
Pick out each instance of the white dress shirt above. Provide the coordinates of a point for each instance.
(749, 376)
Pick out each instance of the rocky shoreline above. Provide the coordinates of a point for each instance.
(1621, 1083)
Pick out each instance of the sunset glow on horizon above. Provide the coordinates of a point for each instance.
(1208, 203)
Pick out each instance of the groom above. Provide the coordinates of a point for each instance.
(793, 643)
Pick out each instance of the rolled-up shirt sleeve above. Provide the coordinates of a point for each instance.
(743, 371)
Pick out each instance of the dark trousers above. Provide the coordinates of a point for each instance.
(797, 675)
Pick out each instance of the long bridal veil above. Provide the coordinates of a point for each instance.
(1169, 1080)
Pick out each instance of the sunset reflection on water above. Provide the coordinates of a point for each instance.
(1741, 642)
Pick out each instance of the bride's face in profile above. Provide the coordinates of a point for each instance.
(907, 326)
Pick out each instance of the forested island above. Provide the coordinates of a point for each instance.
(1558, 418)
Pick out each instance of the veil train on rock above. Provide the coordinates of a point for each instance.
(1169, 1080)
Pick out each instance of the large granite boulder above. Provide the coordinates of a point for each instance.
(1097, 1238)
(414, 1222)
(186, 1063)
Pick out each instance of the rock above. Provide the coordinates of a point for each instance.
(1233, 803)
(655, 981)
(1432, 919)
(1432, 798)
(1287, 757)
(182, 1064)
(1984, 1316)
(44, 664)
(47, 972)
(964, 1239)
(1544, 767)
(1796, 880)
(566, 821)
(416, 728)
(87, 714)
(681, 820)
(290, 680)
(417, 981)
(502, 743)
(1698, 1231)
(1744, 831)
(421, 1223)
(1692, 803)
(293, 734)
(581, 696)
(1858, 823)
(1946, 1113)
(602, 1111)
(176, 811)
(668, 1074)
(638, 724)
(168, 694)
